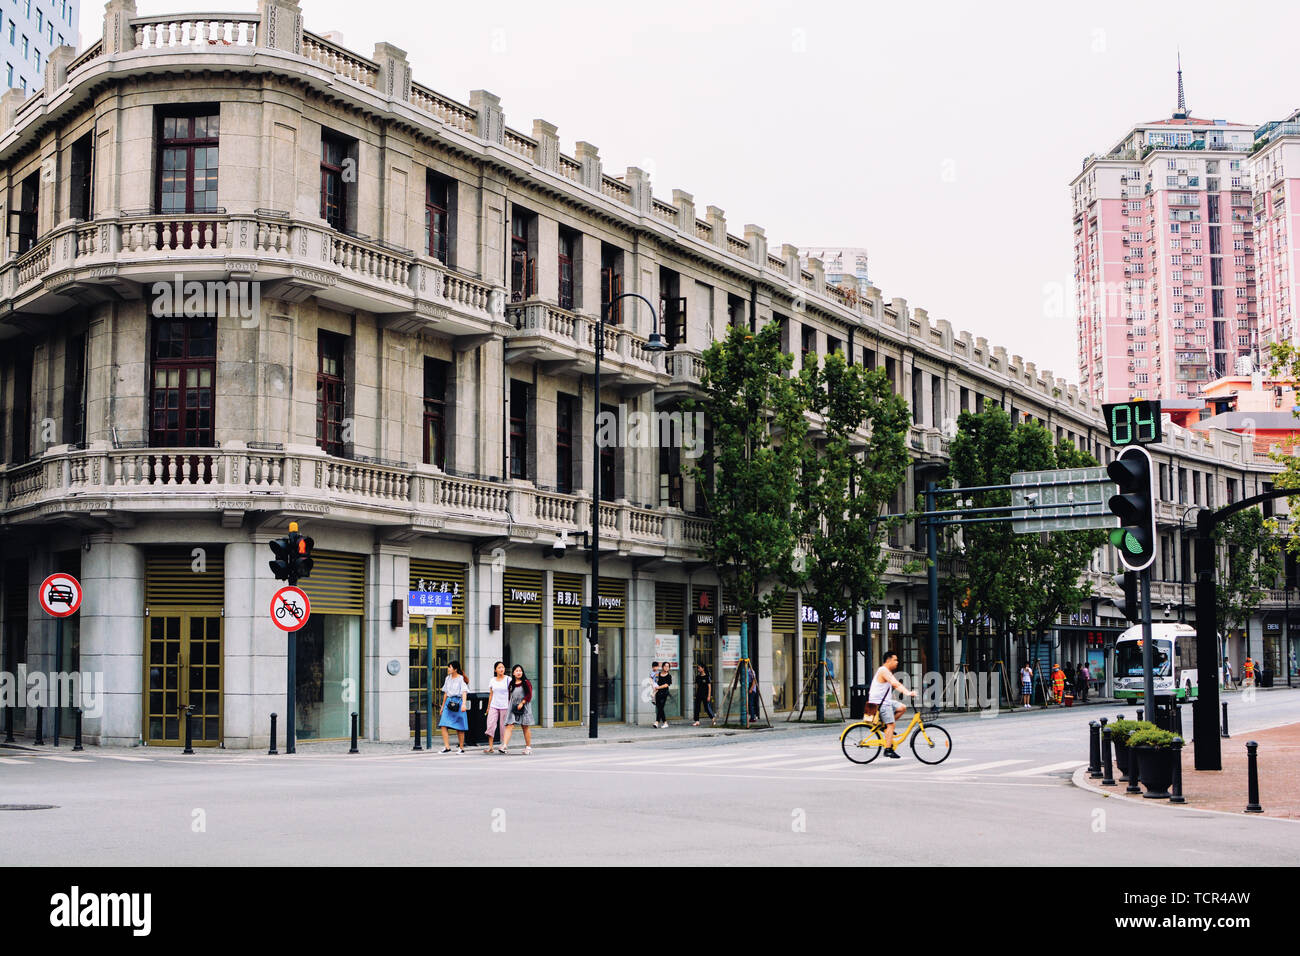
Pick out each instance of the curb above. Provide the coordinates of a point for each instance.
(1081, 780)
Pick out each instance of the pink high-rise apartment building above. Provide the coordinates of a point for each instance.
(1275, 173)
(1164, 258)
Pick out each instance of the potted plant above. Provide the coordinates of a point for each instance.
(1159, 749)
(1120, 732)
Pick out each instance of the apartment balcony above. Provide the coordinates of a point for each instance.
(103, 487)
(685, 371)
(565, 342)
(121, 257)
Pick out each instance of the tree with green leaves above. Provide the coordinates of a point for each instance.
(1250, 559)
(756, 412)
(1022, 582)
(846, 481)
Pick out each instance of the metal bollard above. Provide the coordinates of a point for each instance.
(40, 727)
(76, 717)
(189, 730)
(272, 752)
(354, 749)
(417, 732)
(1252, 778)
(1223, 730)
(1178, 718)
(1108, 772)
(1132, 771)
(1094, 749)
(1140, 713)
(1177, 795)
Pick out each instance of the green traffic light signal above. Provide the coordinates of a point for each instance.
(1134, 505)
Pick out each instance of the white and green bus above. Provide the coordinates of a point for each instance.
(1173, 661)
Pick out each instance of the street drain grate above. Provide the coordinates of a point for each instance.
(27, 806)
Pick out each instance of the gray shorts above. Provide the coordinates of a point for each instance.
(887, 711)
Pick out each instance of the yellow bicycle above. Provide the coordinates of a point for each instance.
(863, 741)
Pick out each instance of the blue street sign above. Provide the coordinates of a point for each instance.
(428, 602)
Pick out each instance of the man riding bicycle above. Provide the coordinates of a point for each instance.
(889, 709)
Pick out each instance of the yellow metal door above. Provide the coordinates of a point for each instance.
(567, 676)
(183, 669)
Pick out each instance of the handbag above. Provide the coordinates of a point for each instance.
(453, 703)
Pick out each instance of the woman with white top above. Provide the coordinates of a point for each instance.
(454, 689)
(521, 708)
(498, 703)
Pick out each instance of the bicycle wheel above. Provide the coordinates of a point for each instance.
(937, 749)
(862, 743)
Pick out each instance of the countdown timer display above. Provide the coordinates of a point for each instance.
(1133, 423)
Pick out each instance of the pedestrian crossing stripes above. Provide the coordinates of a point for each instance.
(813, 760)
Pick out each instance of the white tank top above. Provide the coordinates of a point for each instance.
(878, 697)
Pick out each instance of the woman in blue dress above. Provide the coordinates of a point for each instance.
(454, 690)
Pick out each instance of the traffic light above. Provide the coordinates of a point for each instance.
(292, 555)
(283, 562)
(1128, 603)
(1136, 535)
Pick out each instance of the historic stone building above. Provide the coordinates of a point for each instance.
(252, 277)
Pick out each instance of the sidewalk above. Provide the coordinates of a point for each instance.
(1226, 790)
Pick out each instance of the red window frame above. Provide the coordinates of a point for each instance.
(331, 391)
(182, 383)
(333, 188)
(183, 134)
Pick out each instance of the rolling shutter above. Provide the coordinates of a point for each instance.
(171, 581)
(566, 599)
(613, 602)
(522, 601)
(337, 584)
(669, 598)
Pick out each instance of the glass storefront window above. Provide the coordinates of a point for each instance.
(611, 666)
(523, 645)
(784, 692)
(328, 676)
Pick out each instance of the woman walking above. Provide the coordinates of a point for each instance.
(662, 683)
(521, 709)
(703, 695)
(498, 703)
(454, 689)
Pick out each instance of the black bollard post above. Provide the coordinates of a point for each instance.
(1177, 795)
(1140, 710)
(354, 749)
(189, 730)
(9, 725)
(76, 716)
(1108, 772)
(417, 732)
(272, 752)
(1223, 730)
(1132, 771)
(1178, 718)
(1094, 749)
(1252, 778)
(40, 727)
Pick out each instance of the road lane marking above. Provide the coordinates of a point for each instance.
(980, 767)
(121, 757)
(1050, 768)
(11, 760)
(63, 759)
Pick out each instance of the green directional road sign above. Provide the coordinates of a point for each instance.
(1065, 499)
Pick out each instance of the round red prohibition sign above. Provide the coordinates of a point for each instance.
(60, 595)
(290, 608)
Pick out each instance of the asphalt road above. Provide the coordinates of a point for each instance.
(783, 798)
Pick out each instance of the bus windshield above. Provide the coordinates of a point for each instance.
(1128, 658)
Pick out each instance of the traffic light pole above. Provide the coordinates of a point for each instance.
(290, 694)
(1148, 654)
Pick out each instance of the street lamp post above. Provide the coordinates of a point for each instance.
(653, 344)
(1182, 576)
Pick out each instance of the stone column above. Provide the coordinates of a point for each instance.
(118, 35)
(256, 652)
(818, 274)
(548, 259)
(483, 646)
(638, 182)
(757, 239)
(791, 256)
(394, 79)
(640, 648)
(685, 204)
(280, 27)
(56, 68)
(589, 156)
(717, 225)
(490, 123)
(112, 637)
(548, 145)
(386, 695)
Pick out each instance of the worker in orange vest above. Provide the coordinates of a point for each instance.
(1058, 682)
(1248, 672)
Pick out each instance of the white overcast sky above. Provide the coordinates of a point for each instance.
(941, 136)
